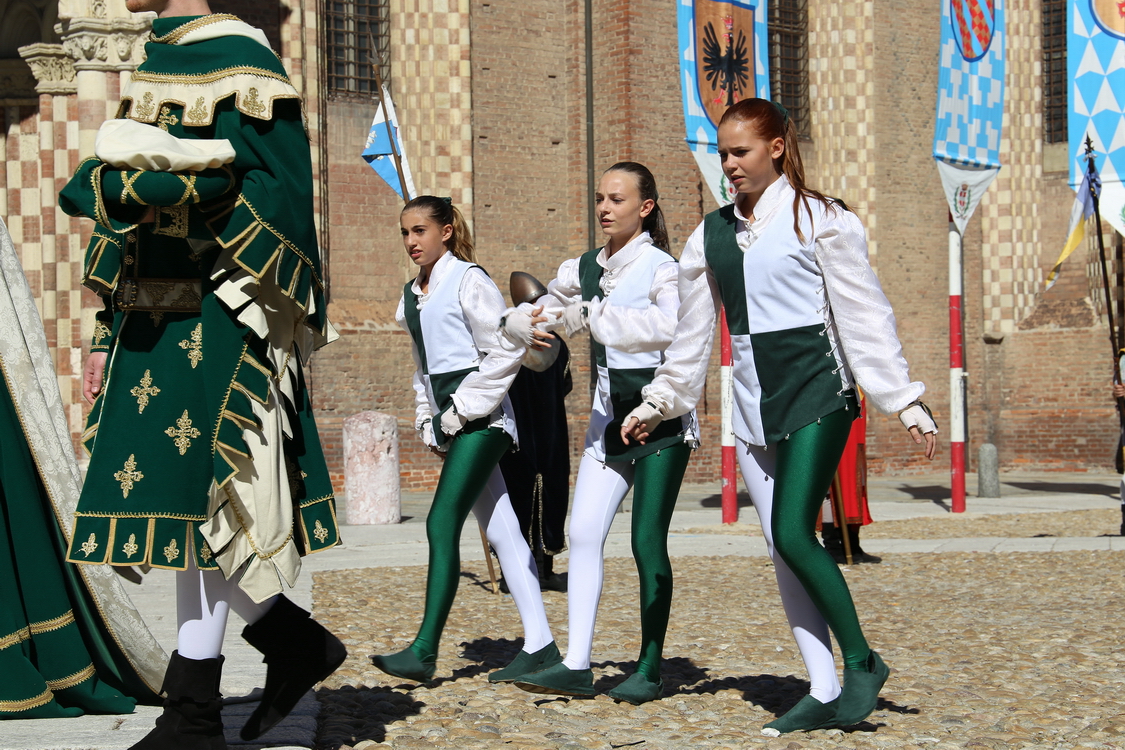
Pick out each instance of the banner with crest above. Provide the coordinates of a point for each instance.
(1095, 60)
(724, 57)
(970, 102)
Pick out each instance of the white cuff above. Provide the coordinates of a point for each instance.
(452, 422)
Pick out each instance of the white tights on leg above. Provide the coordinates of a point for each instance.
(809, 628)
(204, 598)
(598, 492)
(493, 510)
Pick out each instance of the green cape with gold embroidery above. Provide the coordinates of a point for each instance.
(203, 443)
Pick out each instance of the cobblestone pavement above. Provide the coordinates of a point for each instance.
(987, 650)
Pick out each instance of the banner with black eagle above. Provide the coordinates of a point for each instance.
(724, 58)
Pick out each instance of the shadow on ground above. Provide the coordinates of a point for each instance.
(352, 714)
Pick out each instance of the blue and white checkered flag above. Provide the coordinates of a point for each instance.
(970, 105)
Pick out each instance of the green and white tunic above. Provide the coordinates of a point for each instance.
(633, 300)
(202, 441)
(461, 361)
(808, 319)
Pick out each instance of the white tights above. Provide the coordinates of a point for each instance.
(493, 511)
(809, 628)
(204, 598)
(598, 491)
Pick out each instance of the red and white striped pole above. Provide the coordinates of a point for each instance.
(726, 385)
(956, 373)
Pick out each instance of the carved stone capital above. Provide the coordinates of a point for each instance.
(52, 68)
(105, 43)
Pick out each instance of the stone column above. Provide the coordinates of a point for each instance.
(103, 39)
(371, 468)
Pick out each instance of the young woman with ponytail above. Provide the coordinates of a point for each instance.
(463, 371)
(808, 322)
(625, 295)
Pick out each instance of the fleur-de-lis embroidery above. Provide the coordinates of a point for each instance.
(320, 532)
(253, 105)
(89, 546)
(205, 553)
(183, 432)
(172, 551)
(129, 475)
(197, 114)
(146, 108)
(166, 118)
(101, 330)
(130, 547)
(194, 346)
(143, 391)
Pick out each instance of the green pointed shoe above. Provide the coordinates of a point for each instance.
(808, 714)
(558, 680)
(861, 691)
(407, 665)
(637, 689)
(525, 664)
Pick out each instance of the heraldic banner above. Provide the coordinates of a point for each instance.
(970, 102)
(724, 58)
(1095, 61)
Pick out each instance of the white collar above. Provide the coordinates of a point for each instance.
(225, 27)
(625, 255)
(772, 197)
(436, 273)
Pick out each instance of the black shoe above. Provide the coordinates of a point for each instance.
(858, 555)
(298, 651)
(192, 718)
(552, 582)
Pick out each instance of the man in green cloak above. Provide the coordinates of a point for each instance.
(205, 457)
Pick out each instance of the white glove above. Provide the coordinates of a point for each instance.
(452, 422)
(576, 317)
(646, 414)
(516, 326)
(426, 432)
(918, 415)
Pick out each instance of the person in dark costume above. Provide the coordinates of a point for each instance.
(71, 642)
(205, 457)
(538, 474)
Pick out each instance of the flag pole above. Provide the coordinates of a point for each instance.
(1095, 187)
(726, 385)
(387, 118)
(956, 373)
(1116, 344)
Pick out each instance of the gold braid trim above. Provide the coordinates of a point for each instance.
(127, 190)
(19, 636)
(27, 704)
(46, 626)
(254, 90)
(70, 681)
(180, 32)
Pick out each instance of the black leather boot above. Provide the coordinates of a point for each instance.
(299, 652)
(192, 718)
(833, 542)
(858, 555)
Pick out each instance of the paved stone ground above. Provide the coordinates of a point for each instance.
(1000, 625)
(987, 650)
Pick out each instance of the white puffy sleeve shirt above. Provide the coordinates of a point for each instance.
(482, 392)
(860, 320)
(627, 329)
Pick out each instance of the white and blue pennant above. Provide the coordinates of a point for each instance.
(970, 106)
